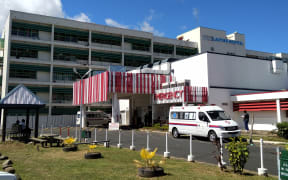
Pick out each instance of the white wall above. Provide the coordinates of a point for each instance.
(124, 104)
(46, 36)
(43, 96)
(43, 76)
(193, 69)
(263, 120)
(44, 55)
(201, 36)
(240, 72)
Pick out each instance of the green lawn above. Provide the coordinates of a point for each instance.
(53, 163)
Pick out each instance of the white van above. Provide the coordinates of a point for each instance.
(206, 121)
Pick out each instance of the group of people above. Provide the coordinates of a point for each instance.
(21, 127)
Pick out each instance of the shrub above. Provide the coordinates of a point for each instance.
(238, 154)
(283, 130)
(161, 126)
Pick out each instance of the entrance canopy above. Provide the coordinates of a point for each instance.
(101, 87)
(264, 101)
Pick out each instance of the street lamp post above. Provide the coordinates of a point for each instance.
(81, 98)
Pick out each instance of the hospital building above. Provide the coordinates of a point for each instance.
(43, 53)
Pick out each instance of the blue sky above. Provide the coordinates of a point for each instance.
(264, 23)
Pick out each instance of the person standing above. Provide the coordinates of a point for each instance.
(245, 117)
(23, 125)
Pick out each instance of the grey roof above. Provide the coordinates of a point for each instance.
(21, 95)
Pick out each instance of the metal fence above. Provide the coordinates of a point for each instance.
(44, 121)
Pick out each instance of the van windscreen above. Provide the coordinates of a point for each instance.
(218, 115)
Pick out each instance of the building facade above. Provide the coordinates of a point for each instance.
(41, 52)
(235, 83)
(212, 40)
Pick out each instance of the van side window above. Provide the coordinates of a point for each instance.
(192, 115)
(202, 117)
(174, 115)
(181, 115)
(186, 116)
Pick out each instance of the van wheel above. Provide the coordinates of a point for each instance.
(212, 136)
(175, 133)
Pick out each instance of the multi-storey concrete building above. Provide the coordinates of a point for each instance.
(41, 52)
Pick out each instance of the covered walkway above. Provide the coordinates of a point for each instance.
(142, 89)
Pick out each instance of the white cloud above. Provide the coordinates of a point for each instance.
(143, 26)
(111, 22)
(184, 27)
(146, 26)
(43, 7)
(81, 17)
(195, 13)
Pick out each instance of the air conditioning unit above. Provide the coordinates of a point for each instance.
(277, 66)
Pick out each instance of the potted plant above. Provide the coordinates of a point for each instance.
(69, 144)
(149, 167)
(91, 154)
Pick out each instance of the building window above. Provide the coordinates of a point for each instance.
(164, 49)
(141, 47)
(25, 32)
(69, 37)
(182, 51)
(107, 39)
(62, 98)
(64, 76)
(19, 52)
(19, 73)
(136, 61)
(69, 57)
(139, 44)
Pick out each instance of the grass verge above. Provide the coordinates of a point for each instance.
(157, 127)
(53, 163)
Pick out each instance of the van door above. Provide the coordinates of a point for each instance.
(203, 124)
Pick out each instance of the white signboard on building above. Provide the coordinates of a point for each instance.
(169, 95)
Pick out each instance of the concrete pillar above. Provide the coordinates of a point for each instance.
(89, 45)
(174, 51)
(115, 109)
(122, 48)
(51, 74)
(279, 120)
(152, 50)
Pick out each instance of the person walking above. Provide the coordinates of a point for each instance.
(245, 117)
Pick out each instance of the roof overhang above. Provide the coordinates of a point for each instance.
(262, 96)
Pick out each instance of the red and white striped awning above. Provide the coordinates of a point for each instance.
(261, 101)
(98, 88)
